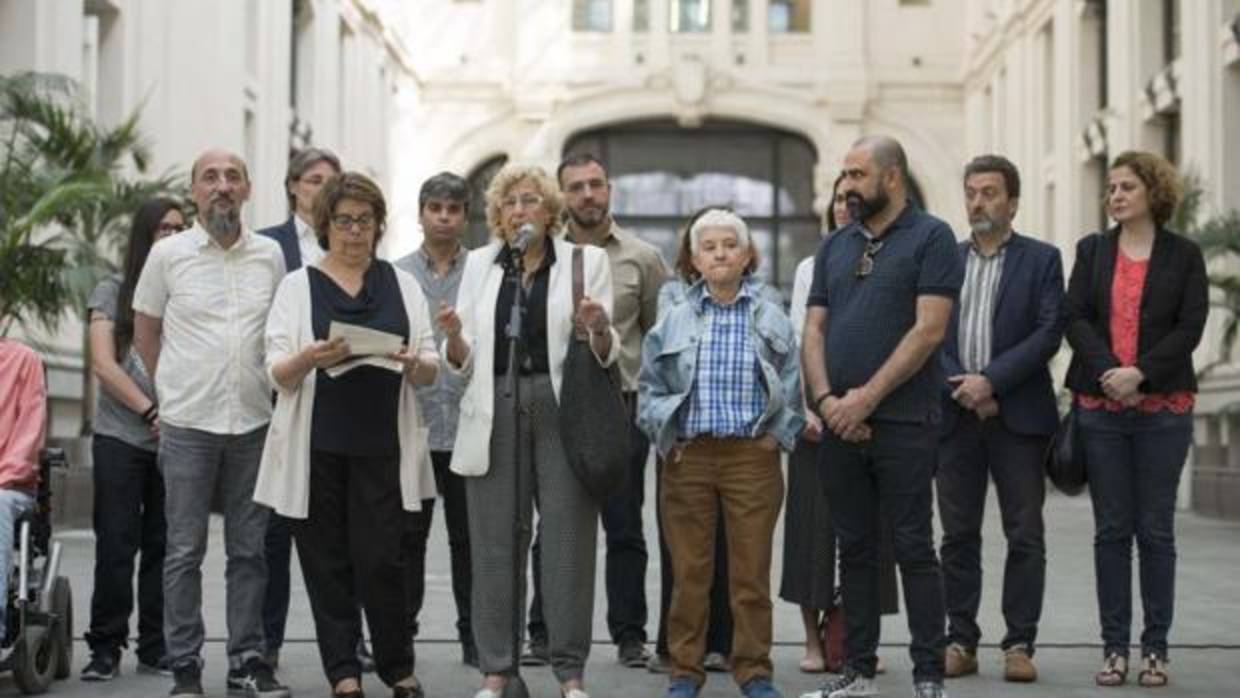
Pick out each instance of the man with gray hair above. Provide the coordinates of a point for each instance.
(443, 208)
(200, 309)
(879, 305)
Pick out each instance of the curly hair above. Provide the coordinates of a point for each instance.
(508, 177)
(1162, 182)
(348, 185)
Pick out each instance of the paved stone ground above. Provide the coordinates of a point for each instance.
(1206, 635)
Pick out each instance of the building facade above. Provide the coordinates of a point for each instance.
(257, 77)
(1064, 86)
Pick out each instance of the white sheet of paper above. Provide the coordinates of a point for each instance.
(357, 361)
(364, 341)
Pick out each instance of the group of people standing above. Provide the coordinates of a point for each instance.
(321, 397)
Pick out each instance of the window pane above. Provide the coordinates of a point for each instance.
(641, 15)
(740, 16)
(689, 15)
(783, 16)
(477, 233)
(592, 15)
(797, 240)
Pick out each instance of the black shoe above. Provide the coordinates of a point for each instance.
(399, 691)
(633, 654)
(536, 653)
(364, 658)
(102, 667)
(160, 667)
(187, 679)
(469, 655)
(255, 680)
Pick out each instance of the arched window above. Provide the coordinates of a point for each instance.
(661, 173)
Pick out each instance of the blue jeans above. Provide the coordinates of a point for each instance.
(1134, 463)
(13, 504)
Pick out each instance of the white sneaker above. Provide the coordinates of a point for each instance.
(929, 689)
(576, 693)
(846, 685)
(487, 693)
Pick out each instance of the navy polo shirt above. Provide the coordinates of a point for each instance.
(868, 316)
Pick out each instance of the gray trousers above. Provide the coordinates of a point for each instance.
(197, 467)
(567, 524)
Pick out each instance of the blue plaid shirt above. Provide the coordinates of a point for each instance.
(728, 397)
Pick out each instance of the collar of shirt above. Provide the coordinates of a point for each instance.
(304, 231)
(976, 249)
(428, 262)
(707, 301)
(611, 236)
(905, 218)
(504, 257)
(202, 238)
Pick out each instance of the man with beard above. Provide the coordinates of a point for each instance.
(878, 308)
(200, 308)
(999, 413)
(637, 273)
(443, 208)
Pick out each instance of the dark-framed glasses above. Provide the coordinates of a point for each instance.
(344, 221)
(865, 265)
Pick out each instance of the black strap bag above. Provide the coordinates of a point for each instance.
(594, 422)
(1065, 458)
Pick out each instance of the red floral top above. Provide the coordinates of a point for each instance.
(1126, 288)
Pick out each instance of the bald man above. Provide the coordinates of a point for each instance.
(878, 308)
(200, 308)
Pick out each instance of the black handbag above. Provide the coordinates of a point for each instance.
(1065, 458)
(594, 421)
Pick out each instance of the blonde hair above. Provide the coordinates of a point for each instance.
(508, 177)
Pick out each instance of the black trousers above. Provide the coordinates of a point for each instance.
(128, 519)
(278, 546)
(456, 517)
(894, 468)
(974, 453)
(349, 556)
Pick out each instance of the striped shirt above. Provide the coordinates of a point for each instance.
(728, 396)
(977, 300)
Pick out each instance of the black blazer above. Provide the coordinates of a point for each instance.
(286, 235)
(1026, 332)
(1174, 303)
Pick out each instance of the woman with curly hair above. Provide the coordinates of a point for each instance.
(526, 255)
(1137, 304)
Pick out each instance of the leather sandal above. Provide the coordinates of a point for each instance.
(1153, 672)
(1114, 671)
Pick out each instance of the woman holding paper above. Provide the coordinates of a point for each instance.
(346, 455)
(523, 208)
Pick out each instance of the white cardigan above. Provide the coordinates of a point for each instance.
(284, 472)
(480, 286)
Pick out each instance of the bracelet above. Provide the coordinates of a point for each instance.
(818, 402)
(151, 414)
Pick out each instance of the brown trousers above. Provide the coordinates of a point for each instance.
(746, 480)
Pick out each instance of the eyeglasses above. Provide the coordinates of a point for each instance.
(525, 201)
(345, 221)
(172, 227)
(865, 265)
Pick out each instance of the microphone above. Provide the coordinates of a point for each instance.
(521, 240)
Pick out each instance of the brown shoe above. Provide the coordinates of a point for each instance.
(1018, 665)
(960, 661)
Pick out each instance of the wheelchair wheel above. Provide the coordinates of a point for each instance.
(34, 659)
(62, 606)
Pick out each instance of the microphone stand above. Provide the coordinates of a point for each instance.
(516, 688)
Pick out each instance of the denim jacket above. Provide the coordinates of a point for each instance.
(669, 366)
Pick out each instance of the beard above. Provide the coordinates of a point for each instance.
(222, 221)
(983, 225)
(862, 208)
(590, 217)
